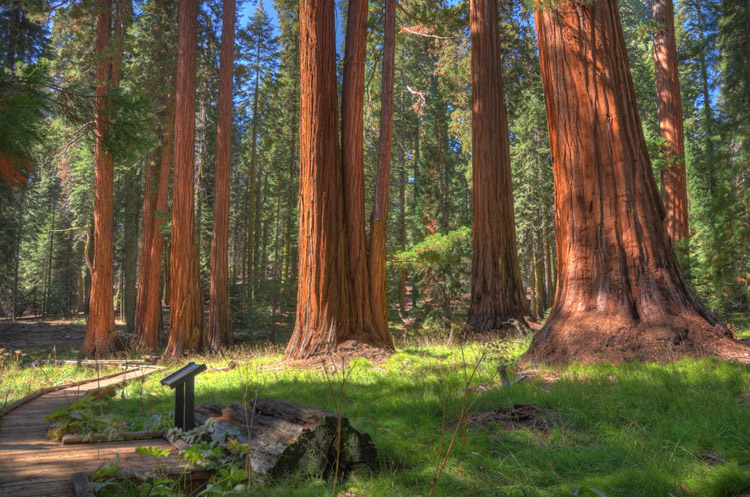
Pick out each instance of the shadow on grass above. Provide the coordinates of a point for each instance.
(631, 430)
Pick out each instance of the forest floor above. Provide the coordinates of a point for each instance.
(40, 337)
(637, 429)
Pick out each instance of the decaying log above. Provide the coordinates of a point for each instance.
(78, 438)
(289, 437)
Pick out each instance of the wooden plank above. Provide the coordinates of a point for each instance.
(32, 465)
(43, 391)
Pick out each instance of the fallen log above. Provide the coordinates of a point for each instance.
(77, 438)
(289, 437)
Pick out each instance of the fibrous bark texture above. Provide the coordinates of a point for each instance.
(327, 314)
(669, 111)
(186, 306)
(156, 189)
(376, 257)
(100, 326)
(620, 293)
(219, 321)
(497, 297)
(353, 161)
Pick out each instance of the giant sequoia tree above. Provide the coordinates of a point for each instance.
(669, 108)
(620, 292)
(497, 296)
(100, 326)
(376, 258)
(158, 20)
(327, 313)
(219, 320)
(353, 160)
(186, 306)
(156, 188)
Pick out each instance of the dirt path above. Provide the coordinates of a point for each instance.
(37, 337)
(32, 465)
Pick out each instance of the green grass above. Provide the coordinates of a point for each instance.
(631, 430)
(18, 379)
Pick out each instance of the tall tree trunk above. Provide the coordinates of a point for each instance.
(186, 306)
(220, 321)
(253, 194)
(669, 111)
(130, 249)
(402, 220)
(541, 296)
(532, 278)
(259, 248)
(497, 296)
(549, 264)
(156, 192)
(324, 307)
(16, 257)
(705, 84)
(376, 257)
(620, 293)
(100, 326)
(289, 253)
(352, 161)
(48, 269)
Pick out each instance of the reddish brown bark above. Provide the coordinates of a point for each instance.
(497, 296)
(100, 326)
(219, 321)
(669, 111)
(186, 306)
(326, 309)
(620, 292)
(352, 159)
(376, 256)
(148, 305)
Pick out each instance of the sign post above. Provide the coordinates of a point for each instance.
(183, 382)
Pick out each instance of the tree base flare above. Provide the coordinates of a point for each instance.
(342, 355)
(601, 339)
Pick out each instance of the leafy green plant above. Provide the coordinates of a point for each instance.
(439, 264)
(229, 481)
(76, 418)
(104, 476)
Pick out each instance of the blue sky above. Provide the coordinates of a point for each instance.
(247, 8)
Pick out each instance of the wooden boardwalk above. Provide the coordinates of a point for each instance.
(33, 465)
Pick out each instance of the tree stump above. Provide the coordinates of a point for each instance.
(289, 437)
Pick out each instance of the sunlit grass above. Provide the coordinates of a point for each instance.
(18, 379)
(631, 430)
(637, 429)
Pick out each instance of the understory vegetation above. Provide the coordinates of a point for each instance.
(634, 429)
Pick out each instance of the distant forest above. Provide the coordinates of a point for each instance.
(55, 113)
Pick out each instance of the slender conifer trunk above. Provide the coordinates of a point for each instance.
(220, 321)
